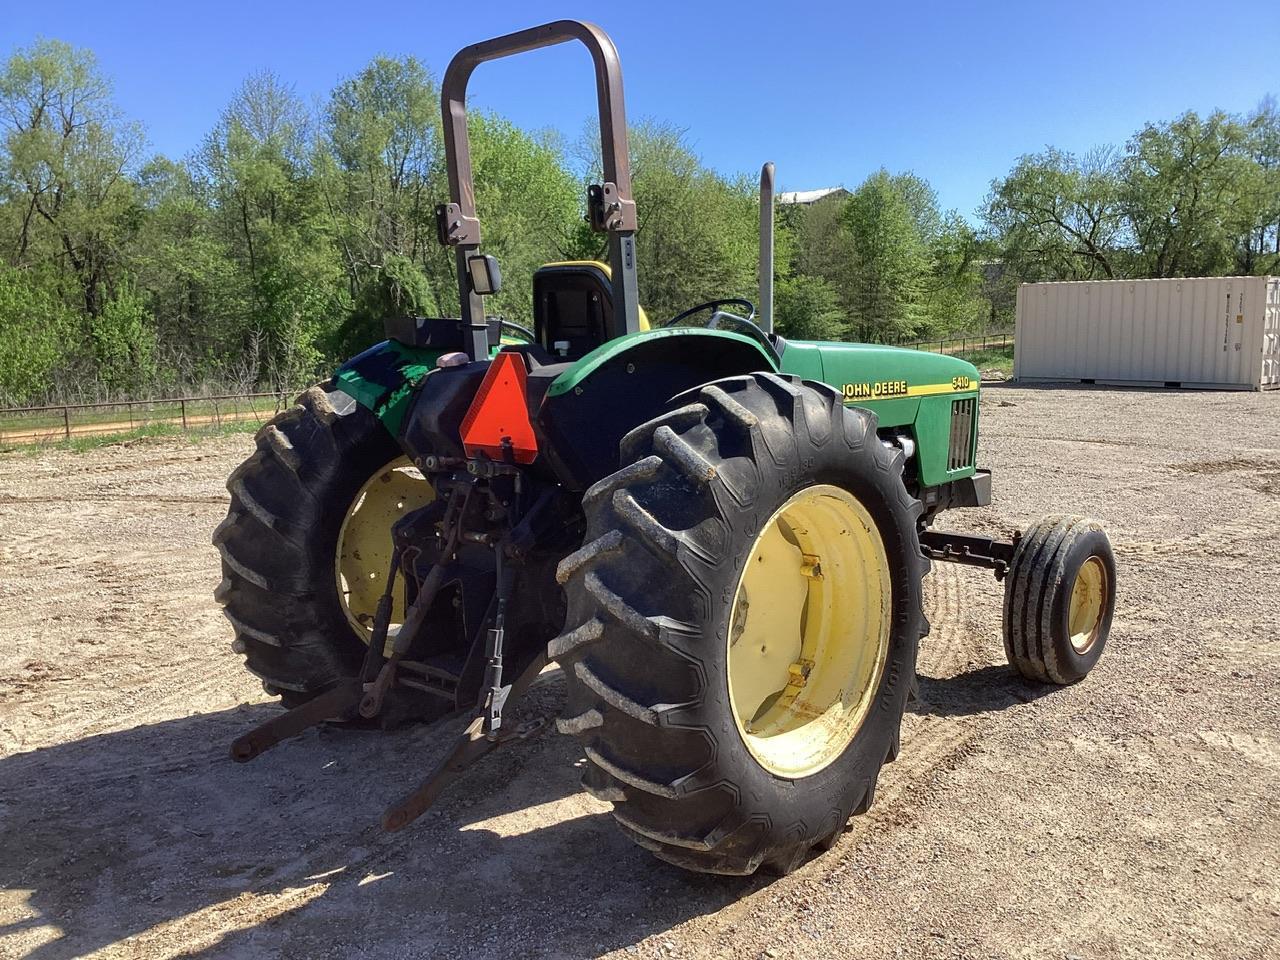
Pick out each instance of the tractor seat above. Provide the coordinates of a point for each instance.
(573, 308)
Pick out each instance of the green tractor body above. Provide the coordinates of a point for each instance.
(908, 390)
(719, 535)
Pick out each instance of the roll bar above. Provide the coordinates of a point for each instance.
(611, 208)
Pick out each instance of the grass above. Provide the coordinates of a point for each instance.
(993, 358)
(83, 444)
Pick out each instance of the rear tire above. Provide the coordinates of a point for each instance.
(1059, 597)
(652, 595)
(278, 542)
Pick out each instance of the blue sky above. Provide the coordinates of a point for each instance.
(829, 91)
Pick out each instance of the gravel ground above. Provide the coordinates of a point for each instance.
(1132, 815)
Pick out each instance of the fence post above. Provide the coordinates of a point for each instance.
(66, 420)
(182, 405)
(217, 416)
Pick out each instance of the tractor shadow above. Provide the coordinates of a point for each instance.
(150, 839)
(980, 690)
(152, 836)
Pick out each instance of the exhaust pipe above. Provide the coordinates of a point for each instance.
(766, 248)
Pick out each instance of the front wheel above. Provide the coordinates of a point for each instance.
(743, 622)
(1059, 597)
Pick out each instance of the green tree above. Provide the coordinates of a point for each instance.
(379, 173)
(1257, 239)
(185, 269)
(1181, 183)
(888, 261)
(808, 308)
(1058, 218)
(124, 343)
(529, 204)
(34, 328)
(288, 276)
(698, 232)
(922, 200)
(955, 298)
(65, 155)
(821, 242)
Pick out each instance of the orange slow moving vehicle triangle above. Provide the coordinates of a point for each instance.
(500, 411)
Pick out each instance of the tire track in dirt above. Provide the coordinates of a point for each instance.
(110, 567)
(931, 741)
(147, 842)
(948, 645)
(204, 929)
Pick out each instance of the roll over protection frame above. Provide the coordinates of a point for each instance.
(611, 208)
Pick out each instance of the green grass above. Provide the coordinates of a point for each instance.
(994, 358)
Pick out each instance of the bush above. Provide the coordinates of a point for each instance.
(124, 343)
(34, 328)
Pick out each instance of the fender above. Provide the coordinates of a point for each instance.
(592, 405)
(382, 379)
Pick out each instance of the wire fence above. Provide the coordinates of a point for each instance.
(980, 341)
(61, 422)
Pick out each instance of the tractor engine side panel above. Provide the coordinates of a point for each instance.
(932, 396)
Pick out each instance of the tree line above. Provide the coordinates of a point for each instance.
(275, 248)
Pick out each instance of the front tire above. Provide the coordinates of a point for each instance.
(655, 606)
(1059, 598)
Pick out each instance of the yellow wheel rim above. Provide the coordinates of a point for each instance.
(1088, 601)
(809, 632)
(364, 542)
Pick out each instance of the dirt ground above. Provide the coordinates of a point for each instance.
(1136, 814)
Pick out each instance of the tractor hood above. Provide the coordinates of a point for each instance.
(871, 372)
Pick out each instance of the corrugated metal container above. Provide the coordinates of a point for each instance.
(1211, 332)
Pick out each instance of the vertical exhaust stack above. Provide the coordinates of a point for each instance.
(766, 248)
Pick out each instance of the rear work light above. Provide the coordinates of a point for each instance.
(497, 423)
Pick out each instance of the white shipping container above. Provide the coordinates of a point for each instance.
(1210, 332)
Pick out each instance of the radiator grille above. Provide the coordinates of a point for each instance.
(960, 449)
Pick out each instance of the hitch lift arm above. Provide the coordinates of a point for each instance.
(364, 693)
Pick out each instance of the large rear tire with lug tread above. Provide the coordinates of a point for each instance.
(324, 473)
(742, 626)
(1059, 597)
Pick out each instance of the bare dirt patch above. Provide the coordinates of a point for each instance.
(1132, 815)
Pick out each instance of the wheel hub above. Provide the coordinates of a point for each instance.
(364, 548)
(809, 632)
(1088, 601)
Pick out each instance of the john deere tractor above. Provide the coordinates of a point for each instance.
(718, 534)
